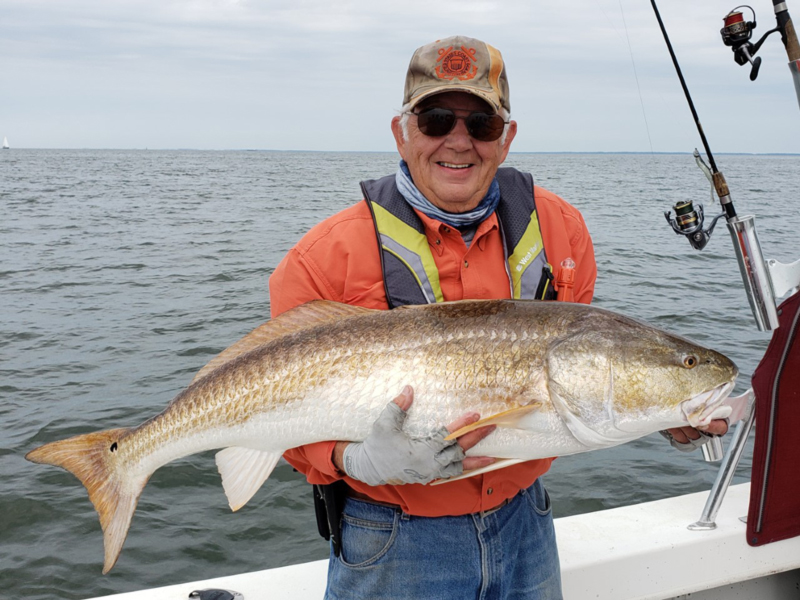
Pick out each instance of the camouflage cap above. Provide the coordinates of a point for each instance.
(457, 64)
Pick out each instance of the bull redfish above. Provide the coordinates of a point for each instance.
(556, 378)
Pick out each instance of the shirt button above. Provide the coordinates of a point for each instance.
(466, 264)
(446, 229)
(489, 491)
(438, 242)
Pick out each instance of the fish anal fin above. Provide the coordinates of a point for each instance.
(498, 464)
(244, 471)
(507, 418)
(112, 491)
(296, 319)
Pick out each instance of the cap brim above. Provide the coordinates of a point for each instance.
(488, 97)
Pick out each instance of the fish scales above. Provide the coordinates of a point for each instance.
(556, 379)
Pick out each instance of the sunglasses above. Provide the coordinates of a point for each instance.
(437, 122)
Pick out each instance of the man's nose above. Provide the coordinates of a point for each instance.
(459, 138)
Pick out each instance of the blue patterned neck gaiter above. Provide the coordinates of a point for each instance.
(415, 198)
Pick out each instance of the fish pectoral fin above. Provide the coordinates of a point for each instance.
(507, 418)
(296, 319)
(244, 471)
(498, 464)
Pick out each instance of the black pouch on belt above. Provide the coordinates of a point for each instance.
(328, 506)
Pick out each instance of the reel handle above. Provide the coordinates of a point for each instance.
(754, 70)
(755, 63)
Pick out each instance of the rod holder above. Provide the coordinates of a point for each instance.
(754, 271)
(727, 469)
(785, 278)
(713, 450)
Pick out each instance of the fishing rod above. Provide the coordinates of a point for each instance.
(764, 281)
(717, 178)
(688, 220)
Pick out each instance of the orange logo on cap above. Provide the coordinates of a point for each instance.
(456, 63)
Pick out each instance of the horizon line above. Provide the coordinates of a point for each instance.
(179, 149)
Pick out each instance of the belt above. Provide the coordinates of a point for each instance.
(506, 502)
(351, 493)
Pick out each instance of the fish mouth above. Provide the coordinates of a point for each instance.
(710, 405)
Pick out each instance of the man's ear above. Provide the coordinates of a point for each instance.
(397, 131)
(510, 134)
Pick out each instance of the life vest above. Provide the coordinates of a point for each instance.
(410, 275)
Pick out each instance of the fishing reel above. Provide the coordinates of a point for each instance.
(737, 32)
(688, 220)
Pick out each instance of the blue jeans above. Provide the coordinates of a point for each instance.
(507, 554)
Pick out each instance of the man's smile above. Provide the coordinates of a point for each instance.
(454, 165)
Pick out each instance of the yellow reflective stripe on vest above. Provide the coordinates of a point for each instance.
(524, 256)
(411, 247)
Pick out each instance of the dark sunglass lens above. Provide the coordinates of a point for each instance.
(484, 127)
(436, 122)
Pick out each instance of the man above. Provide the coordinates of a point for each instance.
(448, 226)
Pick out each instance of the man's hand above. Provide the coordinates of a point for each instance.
(688, 438)
(390, 455)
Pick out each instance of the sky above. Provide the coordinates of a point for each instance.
(585, 75)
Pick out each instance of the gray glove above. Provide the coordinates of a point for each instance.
(390, 455)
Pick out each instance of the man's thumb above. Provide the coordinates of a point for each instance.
(405, 398)
(394, 415)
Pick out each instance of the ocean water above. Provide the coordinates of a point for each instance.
(123, 272)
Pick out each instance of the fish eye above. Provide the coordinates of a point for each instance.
(690, 362)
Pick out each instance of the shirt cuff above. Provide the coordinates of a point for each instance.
(320, 455)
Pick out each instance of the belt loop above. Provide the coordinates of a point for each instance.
(477, 519)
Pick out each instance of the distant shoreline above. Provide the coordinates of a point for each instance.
(543, 152)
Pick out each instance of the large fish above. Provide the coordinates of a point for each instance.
(556, 378)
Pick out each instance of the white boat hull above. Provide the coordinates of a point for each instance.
(642, 552)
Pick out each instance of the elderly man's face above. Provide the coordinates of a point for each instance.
(453, 171)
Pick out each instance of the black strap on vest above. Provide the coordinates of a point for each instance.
(516, 204)
(383, 191)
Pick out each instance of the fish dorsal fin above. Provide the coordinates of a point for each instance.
(501, 463)
(244, 471)
(293, 320)
(507, 418)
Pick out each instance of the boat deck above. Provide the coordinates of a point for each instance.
(644, 551)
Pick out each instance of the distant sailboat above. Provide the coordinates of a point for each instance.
(5, 143)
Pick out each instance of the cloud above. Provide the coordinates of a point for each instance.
(308, 74)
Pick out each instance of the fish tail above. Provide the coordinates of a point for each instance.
(93, 459)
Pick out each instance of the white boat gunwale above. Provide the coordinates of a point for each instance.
(644, 552)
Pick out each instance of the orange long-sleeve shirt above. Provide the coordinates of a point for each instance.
(338, 260)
